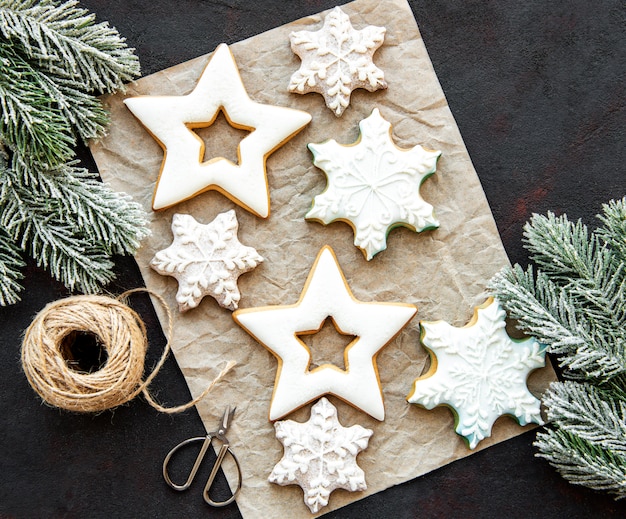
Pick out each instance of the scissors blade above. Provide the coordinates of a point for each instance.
(226, 419)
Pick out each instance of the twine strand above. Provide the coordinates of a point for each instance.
(119, 331)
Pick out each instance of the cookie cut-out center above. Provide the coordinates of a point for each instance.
(220, 139)
(327, 345)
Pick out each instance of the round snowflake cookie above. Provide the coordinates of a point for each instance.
(206, 260)
(336, 60)
(320, 455)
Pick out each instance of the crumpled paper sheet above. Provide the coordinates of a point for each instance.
(443, 272)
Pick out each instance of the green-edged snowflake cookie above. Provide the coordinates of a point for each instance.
(373, 185)
(479, 372)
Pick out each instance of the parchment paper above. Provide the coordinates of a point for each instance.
(443, 272)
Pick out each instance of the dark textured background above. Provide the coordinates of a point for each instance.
(537, 89)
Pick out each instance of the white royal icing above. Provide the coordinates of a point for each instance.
(320, 455)
(373, 185)
(336, 60)
(326, 294)
(206, 260)
(183, 174)
(480, 372)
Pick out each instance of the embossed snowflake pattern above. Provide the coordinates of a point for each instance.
(336, 60)
(320, 455)
(206, 260)
(373, 185)
(479, 372)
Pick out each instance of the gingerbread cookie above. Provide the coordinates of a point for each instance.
(320, 455)
(326, 294)
(373, 185)
(206, 260)
(336, 60)
(171, 120)
(479, 372)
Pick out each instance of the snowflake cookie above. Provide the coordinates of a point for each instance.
(171, 120)
(336, 60)
(479, 372)
(206, 260)
(373, 185)
(326, 294)
(320, 455)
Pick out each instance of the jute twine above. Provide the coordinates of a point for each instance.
(120, 332)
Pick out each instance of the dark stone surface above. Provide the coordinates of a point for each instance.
(537, 89)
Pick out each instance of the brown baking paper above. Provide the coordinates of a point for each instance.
(443, 272)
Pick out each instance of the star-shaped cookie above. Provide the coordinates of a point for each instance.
(320, 455)
(206, 260)
(479, 372)
(336, 60)
(171, 120)
(326, 294)
(373, 185)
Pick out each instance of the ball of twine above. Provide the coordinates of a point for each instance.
(119, 331)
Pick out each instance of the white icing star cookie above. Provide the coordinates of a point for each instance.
(206, 260)
(320, 455)
(479, 372)
(373, 185)
(336, 60)
(171, 119)
(326, 294)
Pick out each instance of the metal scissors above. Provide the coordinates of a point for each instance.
(220, 435)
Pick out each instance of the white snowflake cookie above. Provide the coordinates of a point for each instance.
(326, 294)
(336, 60)
(373, 185)
(172, 119)
(206, 260)
(320, 455)
(479, 372)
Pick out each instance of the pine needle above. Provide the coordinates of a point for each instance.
(582, 462)
(11, 264)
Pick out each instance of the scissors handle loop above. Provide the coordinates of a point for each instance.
(206, 442)
(220, 458)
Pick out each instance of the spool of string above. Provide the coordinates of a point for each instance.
(113, 327)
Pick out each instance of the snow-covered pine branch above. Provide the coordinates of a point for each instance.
(54, 59)
(574, 303)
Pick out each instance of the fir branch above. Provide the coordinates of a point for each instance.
(575, 304)
(69, 224)
(40, 227)
(11, 261)
(613, 232)
(582, 462)
(545, 311)
(11, 264)
(588, 412)
(582, 265)
(560, 248)
(83, 111)
(65, 39)
(108, 217)
(30, 121)
(53, 58)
